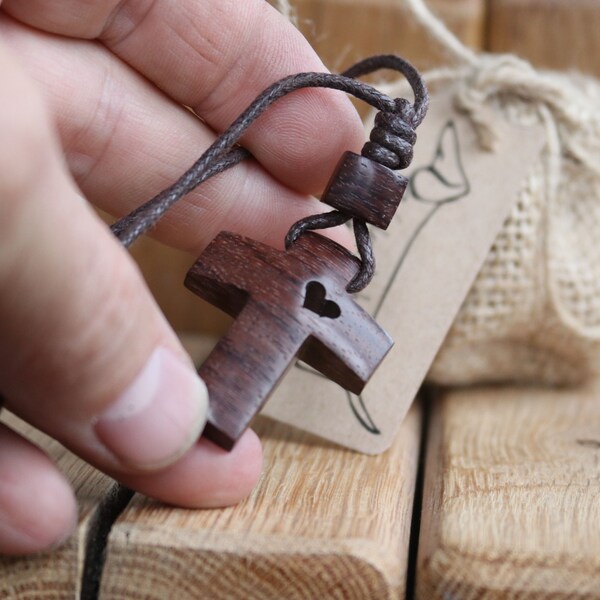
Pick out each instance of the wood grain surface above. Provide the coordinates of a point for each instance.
(556, 34)
(324, 522)
(58, 575)
(365, 189)
(287, 305)
(512, 496)
(343, 32)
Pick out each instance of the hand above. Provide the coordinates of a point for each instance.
(92, 105)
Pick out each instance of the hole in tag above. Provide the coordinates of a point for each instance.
(316, 301)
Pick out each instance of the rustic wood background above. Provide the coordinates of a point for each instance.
(487, 493)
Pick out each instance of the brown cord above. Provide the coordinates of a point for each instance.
(390, 144)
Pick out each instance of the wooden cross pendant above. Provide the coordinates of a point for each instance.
(287, 305)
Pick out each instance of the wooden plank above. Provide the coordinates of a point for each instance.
(58, 575)
(343, 31)
(324, 522)
(557, 34)
(512, 496)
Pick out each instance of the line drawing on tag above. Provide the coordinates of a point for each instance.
(438, 183)
(448, 183)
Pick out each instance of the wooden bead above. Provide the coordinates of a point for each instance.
(365, 189)
(287, 305)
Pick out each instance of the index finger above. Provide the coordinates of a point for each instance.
(216, 56)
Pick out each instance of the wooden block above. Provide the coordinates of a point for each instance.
(512, 496)
(324, 522)
(557, 34)
(362, 188)
(58, 575)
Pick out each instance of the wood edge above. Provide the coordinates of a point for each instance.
(363, 557)
(447, 570)
(459, 573)
(385, 566)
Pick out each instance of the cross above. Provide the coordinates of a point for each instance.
(288, 304)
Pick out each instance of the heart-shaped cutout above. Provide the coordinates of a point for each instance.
(316, 301)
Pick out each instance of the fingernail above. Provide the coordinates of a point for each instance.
(158, 417)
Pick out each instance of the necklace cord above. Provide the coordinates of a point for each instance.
(390, 144)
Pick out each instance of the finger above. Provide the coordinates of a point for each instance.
(125, 141)
(85, 354)
(37, 507)
(205, 477)
(216, 56)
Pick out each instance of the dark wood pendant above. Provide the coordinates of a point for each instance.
(288, 305)
(296, 304)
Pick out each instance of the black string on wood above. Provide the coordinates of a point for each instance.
(390, 144)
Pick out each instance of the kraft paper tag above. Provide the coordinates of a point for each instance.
(457, 201)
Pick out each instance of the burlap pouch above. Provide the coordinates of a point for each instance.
(533, 313)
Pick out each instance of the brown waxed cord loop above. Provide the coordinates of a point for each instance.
(393, 134)
(320, 221)
(130, 227)
(393, 137)
(365, 249)
(390, 144)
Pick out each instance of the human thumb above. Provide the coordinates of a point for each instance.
(85, 353)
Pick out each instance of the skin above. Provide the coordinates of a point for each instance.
(92, 111)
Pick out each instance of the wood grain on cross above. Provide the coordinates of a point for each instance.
(288, 304)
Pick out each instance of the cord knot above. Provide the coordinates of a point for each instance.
(393, 136)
